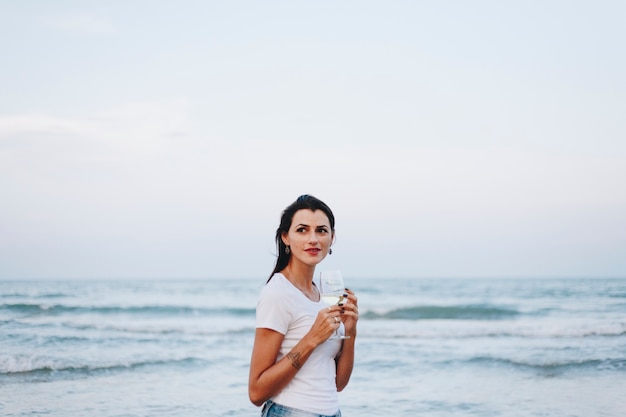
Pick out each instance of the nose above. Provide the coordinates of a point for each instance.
(313, 238)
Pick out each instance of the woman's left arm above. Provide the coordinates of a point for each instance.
(345, 360)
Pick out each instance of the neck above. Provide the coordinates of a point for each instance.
(300, 275)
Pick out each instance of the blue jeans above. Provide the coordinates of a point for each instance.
(271, 409)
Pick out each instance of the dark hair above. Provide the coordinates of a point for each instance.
(303, 202)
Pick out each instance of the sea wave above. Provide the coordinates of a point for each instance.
(40, 366)
(455, 312)
(162, 310)
(491, 329)
(123, 331)
(20, 295)
(554, 367)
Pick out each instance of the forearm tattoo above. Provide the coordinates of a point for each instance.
(294, 357)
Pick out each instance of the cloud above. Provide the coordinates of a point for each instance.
(153, 141)
(79, 22)
(140, 177)
(137, 127)
(38, 123)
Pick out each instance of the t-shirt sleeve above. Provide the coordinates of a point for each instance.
(272, 312)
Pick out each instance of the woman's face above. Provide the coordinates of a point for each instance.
(309, 237)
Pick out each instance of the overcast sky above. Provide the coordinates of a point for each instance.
(159, 139)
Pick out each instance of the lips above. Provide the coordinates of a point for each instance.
(313, 251)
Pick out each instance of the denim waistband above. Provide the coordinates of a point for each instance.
(272, 409)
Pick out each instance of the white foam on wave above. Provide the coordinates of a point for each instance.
(24, 363)
(433, 329)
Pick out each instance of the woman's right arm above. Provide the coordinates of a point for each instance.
(268, 377)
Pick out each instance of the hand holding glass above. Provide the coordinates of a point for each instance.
(332, 290)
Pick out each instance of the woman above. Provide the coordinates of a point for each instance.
(296, 370)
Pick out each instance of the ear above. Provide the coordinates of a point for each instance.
(284, 239)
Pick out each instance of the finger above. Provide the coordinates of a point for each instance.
(349, 295)
(332, 324)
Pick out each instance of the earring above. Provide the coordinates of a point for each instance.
(287, 250)
(330, 251)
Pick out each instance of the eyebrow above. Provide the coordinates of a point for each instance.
(306, 225)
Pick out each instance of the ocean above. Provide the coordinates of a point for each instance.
(426, 347)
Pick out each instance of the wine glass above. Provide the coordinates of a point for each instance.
(332, 290)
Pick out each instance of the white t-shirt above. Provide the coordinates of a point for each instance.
(285, 309)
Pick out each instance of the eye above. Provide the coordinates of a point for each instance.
(322, 230)
(300, 229)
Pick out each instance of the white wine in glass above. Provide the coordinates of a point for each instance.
(332, 290)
